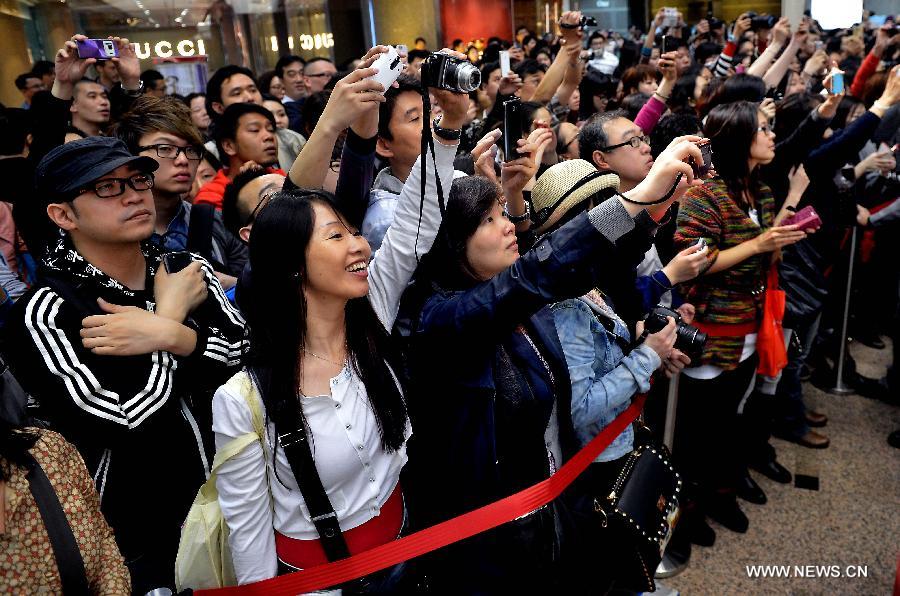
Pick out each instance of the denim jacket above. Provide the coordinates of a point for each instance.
(603, 378)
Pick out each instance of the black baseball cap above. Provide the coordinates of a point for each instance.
(70, 167)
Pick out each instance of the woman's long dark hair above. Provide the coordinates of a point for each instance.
(276, 314)
(14, 445)
(446, 264)
(732, 128)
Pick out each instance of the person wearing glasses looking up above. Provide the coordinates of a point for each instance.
(121, 355)
(613, 143)
(161, 129)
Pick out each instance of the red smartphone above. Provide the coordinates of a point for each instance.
(807, 219)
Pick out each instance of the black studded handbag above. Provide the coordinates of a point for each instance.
(640, 513)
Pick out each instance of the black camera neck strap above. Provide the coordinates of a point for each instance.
(295, 443)
(664, 198)
(427, 147)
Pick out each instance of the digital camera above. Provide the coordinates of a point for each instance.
(688, 338)
(758, 22)
(453, 74)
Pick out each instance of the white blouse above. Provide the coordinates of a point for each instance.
(357, 473)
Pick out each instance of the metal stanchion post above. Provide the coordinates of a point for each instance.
(839, 387)
(674, 561)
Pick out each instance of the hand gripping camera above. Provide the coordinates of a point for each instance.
(688, 338)
(446, 72)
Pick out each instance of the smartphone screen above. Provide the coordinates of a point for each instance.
(504, 63)
(837, 83)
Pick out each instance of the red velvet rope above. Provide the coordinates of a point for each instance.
(453, 530)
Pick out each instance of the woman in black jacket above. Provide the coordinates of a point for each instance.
(491, 394)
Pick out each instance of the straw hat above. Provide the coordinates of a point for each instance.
(564, 186)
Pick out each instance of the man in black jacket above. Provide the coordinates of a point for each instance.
(120, 354)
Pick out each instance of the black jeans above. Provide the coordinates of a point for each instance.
(707, 446)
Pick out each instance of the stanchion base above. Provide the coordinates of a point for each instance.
(840, 391)
(673, 563)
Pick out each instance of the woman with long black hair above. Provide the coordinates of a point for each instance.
(490, 389)
(321, 364)
(734, 214)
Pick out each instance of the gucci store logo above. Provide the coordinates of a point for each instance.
(165, 49)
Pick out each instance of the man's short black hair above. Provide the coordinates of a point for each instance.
(15, 124)
(232, 217)
(593, 137)
(487, 69)
(22, 80)
(286, 61)
(150, 76)
(528, 67)
(422, 39)
(596, 35)
(214, 86)
(227, 124)
(705, 51)
(417, 55)
(386, 110)
(42, 67)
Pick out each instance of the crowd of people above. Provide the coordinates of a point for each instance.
(409, 336)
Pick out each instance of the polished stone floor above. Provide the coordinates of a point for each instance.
(853, 520)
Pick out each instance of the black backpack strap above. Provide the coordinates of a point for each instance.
(299, 454)
(65, 548)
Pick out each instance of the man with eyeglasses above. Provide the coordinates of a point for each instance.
(317, 73)
(161, 128)
(121, 355)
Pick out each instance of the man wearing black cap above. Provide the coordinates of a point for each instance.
(121, 355)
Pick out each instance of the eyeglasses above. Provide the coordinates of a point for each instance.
(635, 142)
(321, 74)
(167, 151)
(765, 129)
(113, 187)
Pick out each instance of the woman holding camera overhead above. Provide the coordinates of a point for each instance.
(733, 213)
(322, 370)
(491, 394)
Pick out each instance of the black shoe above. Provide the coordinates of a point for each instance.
(750, 491)
(870, 339)
(698, 531)
(774, 471)
(725, 510)
(874, 389)
(894, 439)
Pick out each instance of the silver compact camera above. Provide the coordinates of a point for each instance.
(453, 74)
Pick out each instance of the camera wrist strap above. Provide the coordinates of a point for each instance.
(427, 146)
(664, 198)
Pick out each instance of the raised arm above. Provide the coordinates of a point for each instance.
(774, 75)
(567, 59)
(780, 34)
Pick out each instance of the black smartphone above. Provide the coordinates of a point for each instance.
(176, 261)
(669, 43)
(702, 169)
(512, 128)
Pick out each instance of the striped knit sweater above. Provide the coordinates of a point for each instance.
(725, 297)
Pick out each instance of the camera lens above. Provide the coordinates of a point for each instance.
(467, 76)
(689, 339)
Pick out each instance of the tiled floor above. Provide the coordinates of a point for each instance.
(852, 520)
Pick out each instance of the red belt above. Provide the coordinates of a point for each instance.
(727, 329)
(379, 530)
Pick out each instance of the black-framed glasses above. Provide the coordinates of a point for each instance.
(635, 142)
(113, 187)
(321, 74)
(167, 151)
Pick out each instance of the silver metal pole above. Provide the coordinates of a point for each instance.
(839, 387)
(671, 406)
(673, 562)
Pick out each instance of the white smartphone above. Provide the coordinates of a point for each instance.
(701, 245)
(504, 63)
(389, 67)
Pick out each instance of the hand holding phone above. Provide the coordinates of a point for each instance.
(807, 219)
(390, 65)
(702, 169)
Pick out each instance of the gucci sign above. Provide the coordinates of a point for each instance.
(165, 49)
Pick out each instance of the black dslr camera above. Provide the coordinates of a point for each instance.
(446, 72)
(758, 22)
(688, 338)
